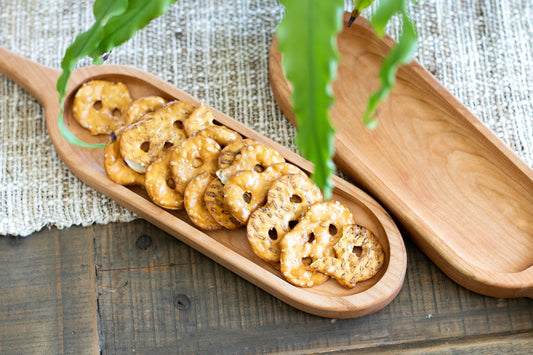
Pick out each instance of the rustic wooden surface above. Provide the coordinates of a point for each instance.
(131, 288)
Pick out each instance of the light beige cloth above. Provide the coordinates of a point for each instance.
(217, 50)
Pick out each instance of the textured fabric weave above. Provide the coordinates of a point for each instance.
(480, 50)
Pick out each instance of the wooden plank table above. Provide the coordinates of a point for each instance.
(131, 288)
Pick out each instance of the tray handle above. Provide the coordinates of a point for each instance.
(38, 80)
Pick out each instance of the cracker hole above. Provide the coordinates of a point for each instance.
(293, 224)
(296, 199)
(117, 112)
(178, 124)
(197, 162)
(97, 105)
(145, 146)
(332, 229)
(259, 168)
(357, 251)
(311, 237)
(237, 156)
(167, 145)
(273, 233)
(307, 261)
(247, 197)
(171, 183)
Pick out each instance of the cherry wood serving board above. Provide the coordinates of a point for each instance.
(229, 248)
(463, 196)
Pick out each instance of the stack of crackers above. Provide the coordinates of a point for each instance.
(184, 160)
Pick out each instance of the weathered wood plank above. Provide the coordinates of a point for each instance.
(158, 295)
(513, 343)
(47, 293)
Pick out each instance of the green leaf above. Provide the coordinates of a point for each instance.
(103, 9)
(401, 53)
(386, 9)
(360, 5)
(115, 22)
(307, 42)
(84, 44)
(71, 138)
(123, 26)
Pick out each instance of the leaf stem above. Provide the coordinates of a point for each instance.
(354, 15)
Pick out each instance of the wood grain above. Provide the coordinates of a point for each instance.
(47, 294)
(152, 294)
(465, 198)
(224, 314)
(229, 248)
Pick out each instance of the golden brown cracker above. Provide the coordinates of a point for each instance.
(358, 257)
(160, 185)
(220, 134)
(231, 151)
(194, 202)
(99, 106)
(256, 157)
(117, 169)
(288, 199)
(246, 190)
(313, 237)
(146, 140)
(193, 157)
(198, 120)
(142, 106)
(214, 202)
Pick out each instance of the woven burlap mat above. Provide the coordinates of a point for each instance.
(482, 51)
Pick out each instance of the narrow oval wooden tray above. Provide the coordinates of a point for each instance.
(463, 196)
(229, 248)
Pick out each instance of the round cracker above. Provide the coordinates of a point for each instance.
(194, 156)
(289, 197)
(359, 256)
(214, 202)
(117, 169)
(99, 106)
(160, 185)
(194, 202)
(312, 238)
(146, 140)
